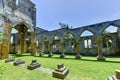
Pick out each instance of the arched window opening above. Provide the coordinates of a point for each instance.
(17, 2)
(54, 46)
(107, 42)
(11, 40)
(110, 29)
(85, 43)
(107, 34)
(37, 43)
(89, 43)
(45, 38)
(86, 33)
(73, 45)
(56, 38)
(15, 33)
(68, 36)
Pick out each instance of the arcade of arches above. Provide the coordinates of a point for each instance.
(65, 41)
(21, 45)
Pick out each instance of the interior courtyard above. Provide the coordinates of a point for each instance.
(85, 50)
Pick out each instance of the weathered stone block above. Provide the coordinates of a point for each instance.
(61, 69)
(50, 55)
(60, 65)
(117, 74)
(60, 72)
(110, 78)
(19, 62)
(101, 58)
(115, 77)
(33, 65)
(60, 75)
(9, 60)
(78, 56)
(62, 55)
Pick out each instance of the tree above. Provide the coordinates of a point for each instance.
(105, 32)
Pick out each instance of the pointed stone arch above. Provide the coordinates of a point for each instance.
(68, 35)
(69, 43)
(87, 31)
(55, 37)
(106, 27)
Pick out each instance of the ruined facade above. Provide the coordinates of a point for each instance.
(20, 15)
(69, 41)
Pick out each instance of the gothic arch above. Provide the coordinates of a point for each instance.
(104, 28)
(22, 28)
(57, 37)
(94, 34)
(70, 35)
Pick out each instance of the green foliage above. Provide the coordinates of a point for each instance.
(105, 32)
(87, 68)
(56, 38)
(68, 36)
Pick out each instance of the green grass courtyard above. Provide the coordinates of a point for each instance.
(87, 68)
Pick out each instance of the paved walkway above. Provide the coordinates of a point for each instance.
(45, 70)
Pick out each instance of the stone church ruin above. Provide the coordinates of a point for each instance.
(21, 15)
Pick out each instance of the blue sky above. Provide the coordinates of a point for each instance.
(76, 13)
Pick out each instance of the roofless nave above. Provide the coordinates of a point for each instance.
(30, 39)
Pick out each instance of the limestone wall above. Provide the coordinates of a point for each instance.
(96, 29)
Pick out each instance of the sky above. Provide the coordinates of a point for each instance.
(76, 13)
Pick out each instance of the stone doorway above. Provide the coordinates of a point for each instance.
(22, 29)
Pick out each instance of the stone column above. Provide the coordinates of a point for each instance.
(50, 49)
(99, 45)
(62, 50)
(23, 42)
(0, 42)
(32, 44)
(78, 56)
(6, 40)
(0, 50)
(41, 49)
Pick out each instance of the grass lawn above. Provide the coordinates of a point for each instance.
(87, 68)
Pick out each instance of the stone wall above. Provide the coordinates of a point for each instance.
(21, 15)
(96, 29)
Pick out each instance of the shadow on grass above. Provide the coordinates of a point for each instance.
(66, 58)
(20, 55)
(101, 61)
(106, 61)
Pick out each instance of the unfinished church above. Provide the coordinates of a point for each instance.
(19, 15)
(66, 41)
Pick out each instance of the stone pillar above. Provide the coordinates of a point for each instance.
(41, 49)
(0, 51)
(1, 35)
(50, 49)
(78, 56)
(32, 44)
(23, 42)
(6, 40)
(99, 45)
(62, 50)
